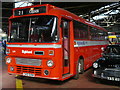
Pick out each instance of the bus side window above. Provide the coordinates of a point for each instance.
(80, 30)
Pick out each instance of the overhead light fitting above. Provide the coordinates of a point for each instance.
(118, 8)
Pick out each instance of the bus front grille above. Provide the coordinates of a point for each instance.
(23, 69)
(27, 61)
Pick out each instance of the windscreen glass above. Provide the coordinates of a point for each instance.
(34, 29)
(113, 50)
(119, 40)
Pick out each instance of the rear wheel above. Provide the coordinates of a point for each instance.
(79, 68)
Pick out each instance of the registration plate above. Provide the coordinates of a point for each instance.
(28, 74)
(113, 78)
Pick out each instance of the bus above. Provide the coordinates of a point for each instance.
(45, 41)
(114, 39)
(118, 39)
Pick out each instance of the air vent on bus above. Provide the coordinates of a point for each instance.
(39, 52)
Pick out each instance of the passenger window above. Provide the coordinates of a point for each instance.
(97, 34)
(80, 30)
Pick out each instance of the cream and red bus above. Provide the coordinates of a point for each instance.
(114, 39)
(49, 42)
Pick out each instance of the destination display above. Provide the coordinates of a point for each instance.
(26, 11)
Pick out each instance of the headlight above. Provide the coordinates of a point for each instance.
(8, 60)
(50, 63)
(95, 65)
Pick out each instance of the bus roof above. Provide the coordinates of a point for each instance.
(53, 10)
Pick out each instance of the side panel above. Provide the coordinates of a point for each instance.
(89, 50)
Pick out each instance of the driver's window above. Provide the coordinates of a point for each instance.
(107, 50)
(115, 50)
(43, 29)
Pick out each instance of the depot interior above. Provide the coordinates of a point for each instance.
(105, 14)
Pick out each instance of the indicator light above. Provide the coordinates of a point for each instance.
(51, 52)
(11, 68)
(7, 51)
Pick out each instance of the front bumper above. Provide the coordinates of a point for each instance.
(32, 72)
(110, 74)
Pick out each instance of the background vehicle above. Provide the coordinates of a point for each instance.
(114, 39)
(48, 42)
(3, 39)
(118, 39)
(4, 46)
(108, 66)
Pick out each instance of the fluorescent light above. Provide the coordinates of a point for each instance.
(22, 4)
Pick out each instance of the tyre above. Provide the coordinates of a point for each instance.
(79, 68)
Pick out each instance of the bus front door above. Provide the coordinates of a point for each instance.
(66, 46)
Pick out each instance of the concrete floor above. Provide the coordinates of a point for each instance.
(85, 81)
(0, 66)
(8, 81)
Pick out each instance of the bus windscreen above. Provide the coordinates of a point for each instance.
(34, 29)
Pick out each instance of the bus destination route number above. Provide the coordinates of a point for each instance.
(26, 11)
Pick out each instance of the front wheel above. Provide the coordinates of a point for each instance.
(80, 66)
(79, 69)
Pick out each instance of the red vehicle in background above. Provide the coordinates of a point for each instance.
(48, 42)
